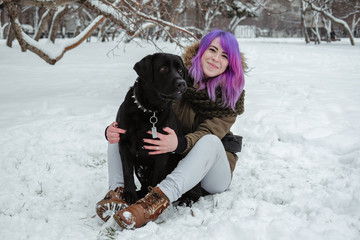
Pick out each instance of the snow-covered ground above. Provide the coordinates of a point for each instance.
(298, 176)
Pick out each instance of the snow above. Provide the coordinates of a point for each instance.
(127, 215)
(298, 176)
(108, 8)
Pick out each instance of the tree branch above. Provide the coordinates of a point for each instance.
(156, 20)
(27, 43)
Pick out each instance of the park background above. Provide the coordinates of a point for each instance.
(298, 175)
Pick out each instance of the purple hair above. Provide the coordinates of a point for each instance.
(232, 80)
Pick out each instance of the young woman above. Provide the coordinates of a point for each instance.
(208, 109)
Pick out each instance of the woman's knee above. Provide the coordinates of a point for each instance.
(215, 185)
(211, 139)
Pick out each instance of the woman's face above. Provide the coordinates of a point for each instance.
(214, 60)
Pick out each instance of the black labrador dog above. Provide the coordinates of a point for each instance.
(147, 106)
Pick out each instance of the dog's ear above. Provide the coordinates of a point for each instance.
(185, 71)
(144, 68)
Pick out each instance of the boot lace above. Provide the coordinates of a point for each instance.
(151, 201)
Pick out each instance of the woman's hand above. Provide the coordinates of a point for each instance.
(113, 133)
(166, 143)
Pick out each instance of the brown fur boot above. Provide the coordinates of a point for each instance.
(111, 204)
(143, 211)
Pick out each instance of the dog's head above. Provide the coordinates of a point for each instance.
(163, 72)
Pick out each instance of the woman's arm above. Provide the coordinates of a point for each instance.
(217, 126)
(170, 142)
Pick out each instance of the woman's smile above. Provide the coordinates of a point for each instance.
(212, 65)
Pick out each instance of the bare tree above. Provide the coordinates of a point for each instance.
(349, 9)
(352, 12)
(146, 19)
(240, 10)
(233, 11)
(133, 17)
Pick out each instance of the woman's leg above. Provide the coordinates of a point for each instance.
(206, 163)
(112, 202)
(115, 169)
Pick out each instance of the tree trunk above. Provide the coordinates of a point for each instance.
(179, 8)
(39, 30)
(10, 36)
(102, 31)
(316, 30)
(55, 24)
(306, 34)
(235, 22)
(327, 24)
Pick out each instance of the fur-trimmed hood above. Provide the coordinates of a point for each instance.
(191, 51)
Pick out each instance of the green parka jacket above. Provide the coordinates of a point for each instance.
(196, 124)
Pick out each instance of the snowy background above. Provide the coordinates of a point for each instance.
(298, 176)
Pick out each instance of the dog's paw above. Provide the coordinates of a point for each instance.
(130, 196)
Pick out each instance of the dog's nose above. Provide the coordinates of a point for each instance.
(181, 85)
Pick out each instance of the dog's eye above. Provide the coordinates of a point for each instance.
(163, 69)
(180, 70)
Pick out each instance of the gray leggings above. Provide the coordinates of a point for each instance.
(206, 163)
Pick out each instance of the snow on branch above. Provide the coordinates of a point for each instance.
(50, 56)
(54, 56)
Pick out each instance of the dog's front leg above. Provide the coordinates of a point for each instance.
(159, 169)
(129, 193)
